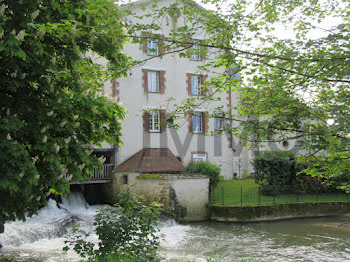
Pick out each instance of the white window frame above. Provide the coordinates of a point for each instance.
(153, 82)
(195, 51)
(196, 89)
(154, 121)
(152, 46)
(199, 157)
(219, 123)
(197, 122)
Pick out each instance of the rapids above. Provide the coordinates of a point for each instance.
(42, 237)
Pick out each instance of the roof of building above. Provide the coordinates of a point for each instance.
(152, 160)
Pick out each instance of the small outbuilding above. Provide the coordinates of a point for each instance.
(157, 174)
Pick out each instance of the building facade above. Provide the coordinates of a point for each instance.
(154, 88)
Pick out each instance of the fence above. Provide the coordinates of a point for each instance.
(250, 195)
(104, 175)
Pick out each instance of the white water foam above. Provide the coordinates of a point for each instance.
(42, 236)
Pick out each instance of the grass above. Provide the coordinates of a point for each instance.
(149, 176)
(231, 195)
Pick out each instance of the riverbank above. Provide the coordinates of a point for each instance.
(277, 212)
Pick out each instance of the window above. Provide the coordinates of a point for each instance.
(219, 123)
(195, 51)
(197, 122)
(153, 121)
(152, 46)
(196, 157)
(196, 85)
(153, 81)
(125, 179)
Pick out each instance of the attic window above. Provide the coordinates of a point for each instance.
(285, 143)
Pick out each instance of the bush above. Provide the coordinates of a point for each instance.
(205, 168)
(276, 171)
(127, 233)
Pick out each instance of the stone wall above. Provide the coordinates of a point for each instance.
(186, 195)
(277, 212)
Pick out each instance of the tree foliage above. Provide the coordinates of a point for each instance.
(276, 171)
(294, 87)
(50, 109)
(127, 233)
(282, 172)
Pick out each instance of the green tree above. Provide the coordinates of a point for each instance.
(293, 87)
(126, 233)
(50, 109)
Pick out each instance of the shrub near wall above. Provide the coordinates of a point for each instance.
(205, 168)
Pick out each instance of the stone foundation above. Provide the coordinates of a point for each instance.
(186, 195)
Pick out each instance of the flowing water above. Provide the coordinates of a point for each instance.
(42, 237)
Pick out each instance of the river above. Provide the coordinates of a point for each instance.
(41, 237)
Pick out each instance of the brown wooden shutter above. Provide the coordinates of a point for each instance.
(205, 122)
(115, 90)
(162, 120)
(202, 49)
(145, 121)
(144, 36)
(161, 81)
(188, 81)
(203, 79)
(190, 123)
(161, 47)
(145, 80)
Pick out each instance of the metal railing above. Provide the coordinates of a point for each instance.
(105, 174)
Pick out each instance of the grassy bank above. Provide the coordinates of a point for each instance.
(229, 193)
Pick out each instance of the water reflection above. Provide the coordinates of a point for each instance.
(317, 239)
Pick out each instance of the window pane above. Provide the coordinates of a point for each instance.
(152, 46)
(153, 121)
(199, 157)
(153, 81)
(195, 84)
(219, 123)
(195, 50)
(197, 122)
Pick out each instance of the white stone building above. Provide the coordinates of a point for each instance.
(145, 94)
